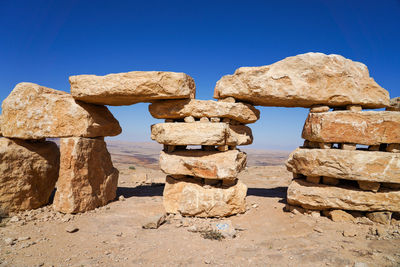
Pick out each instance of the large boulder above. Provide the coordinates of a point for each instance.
(87, 177)
(28, 173)
(132, 87)
(190, 197)
(32, 111)
(303, 81)
(366, 127)
(356, 165)
(394, 104)
(178, 109)
(204, 164)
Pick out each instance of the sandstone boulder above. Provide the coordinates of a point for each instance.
(28, 173)
(204, 164)
(394, 104)
(303, 81)
(346, 164)
(87, 177)
(323, 197)
(132, 87)
(190, 197)
(199, 133)
(1, 122)
(367, 127)
(179, 109)
(32, 111)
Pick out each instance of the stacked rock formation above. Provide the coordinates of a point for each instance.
(203, 182)
(331, 171)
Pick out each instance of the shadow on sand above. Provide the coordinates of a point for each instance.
(277, 192)
(141, 191)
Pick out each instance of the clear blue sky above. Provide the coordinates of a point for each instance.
(46, 41)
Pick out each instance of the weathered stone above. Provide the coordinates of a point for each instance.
(339, 216)
(313, 179)
(319, 109)
(330, 180)
(32, 111)
(178, 109)
(324, 197)
(201, 134)
(383, 217)
(189, 119)
(132, 87)
(191, 198)
(394, 148)
(227, 99)
(394, 104)
(204, 119)
(367, 128)
(354, 107)
(223, 148)
(155, 221)
(344, 164)
(87, 178)
(1, 122)
(374, 148)
(348, 146)
(303, 81)
(369, 186)
(204, 164)
(28, 173)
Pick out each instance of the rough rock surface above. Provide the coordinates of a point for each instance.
(32, 111)
(323, 197)
(87, 177)
(199, 133)
(346, 164)
(1, 122)
(204, 164)
(29, 171)
(179, 109)
(394, 104)
(132, 87)
(191, 198)
(305, 80)
(367, 127)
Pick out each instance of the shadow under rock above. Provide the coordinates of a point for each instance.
(279, 192)
(141, 191)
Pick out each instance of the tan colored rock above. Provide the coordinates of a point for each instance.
(190, 197)
(204, 164)
(132, 87)
(178, 109)
(394, 104)
(339, 216)
(199, 133)
(344, 164)
(325, 197)
(28, 173)
(394, 148)
(354, 107)
(369, 186)
(313, 179)
(319, 108)
(366, 128)
(383, 217)
(1, 122)
(87, 177)
(303, 81)
(330, 180)
(32, 111)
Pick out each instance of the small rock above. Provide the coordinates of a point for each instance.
(24, 238)
(119, 234)
(14, 219)
(10, 241)
(121, 198)
(192, 229)
(207, 262)
(349, 233)
(107, 253)
(71, 229)
(225, 228)
(255, 205)
(360, 264)
(339, 216)
(318, 230)
(155, 221)
(383, 217)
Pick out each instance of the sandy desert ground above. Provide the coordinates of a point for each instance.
(265, 234)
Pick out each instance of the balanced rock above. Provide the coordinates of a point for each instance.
(87, 178)
(303, 81)
(179, 109)
(199, 133)
(367, 127)
(132, 87)
(32, 111)
(346, 164)
(190, 197)
(204, 164)
(324, 197)
(28, 173)
(394, 104)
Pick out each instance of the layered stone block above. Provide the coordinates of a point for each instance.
(132, 87)
(367, 127)
(191, 197)
(204, 164)
(356, 165)
(179, 109)
(303, 81)
(87, 178)
(32, 111)
(394, 104)
(199, 133)
(29, 171)
(323, 197)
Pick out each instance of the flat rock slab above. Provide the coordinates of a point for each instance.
(394, 104)
(191, 198)
(364, 127)
(179, 109)
(132, 87)
(28, 173)
(87, 178)
(346, 164)
(303, 81)
(199, 133)
(324, 197)
(204, 164)
(32, 111)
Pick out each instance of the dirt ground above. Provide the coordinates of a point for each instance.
(265, 234)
